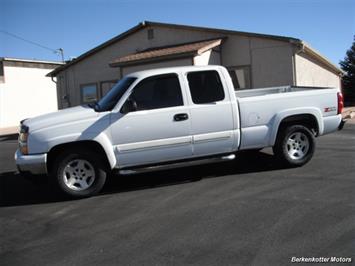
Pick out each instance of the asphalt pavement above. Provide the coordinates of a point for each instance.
(249, 211)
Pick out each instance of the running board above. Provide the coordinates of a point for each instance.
(176, 165)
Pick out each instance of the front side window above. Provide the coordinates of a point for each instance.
(157, 92)
(240, 77)
(88, 93)
(205, 87)
(114, 94)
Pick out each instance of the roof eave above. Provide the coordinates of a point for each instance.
(307, 49)
(215, 42)
(250, 34)
(153, 59)
(210, 46)
(12, 59)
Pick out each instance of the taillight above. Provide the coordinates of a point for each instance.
(340, 103)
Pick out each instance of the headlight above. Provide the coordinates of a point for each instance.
(23, 139)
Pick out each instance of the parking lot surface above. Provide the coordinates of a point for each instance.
(249, 211)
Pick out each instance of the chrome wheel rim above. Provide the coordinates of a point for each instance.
(78, 175)
(297, 146)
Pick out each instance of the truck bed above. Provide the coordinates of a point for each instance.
(274, 90)
(260, 109)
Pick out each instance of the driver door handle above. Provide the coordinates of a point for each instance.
(181, 117)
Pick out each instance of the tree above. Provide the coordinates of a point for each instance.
(348, 65)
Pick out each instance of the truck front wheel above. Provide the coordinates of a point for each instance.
(295, 145)
(79, 174)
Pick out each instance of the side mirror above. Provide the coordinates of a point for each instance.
(129, 106)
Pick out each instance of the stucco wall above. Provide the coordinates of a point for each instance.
(25, 93)
(311, 73)
(270, 61)
(272, 65)
(236, 51)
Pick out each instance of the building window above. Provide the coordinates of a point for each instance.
(157, 92)
(88, 93)
(150, 34)
(106, 86)
(240, 77)
(205, 87)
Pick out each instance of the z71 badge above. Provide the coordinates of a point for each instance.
(330, 109)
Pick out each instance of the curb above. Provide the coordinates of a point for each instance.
(349, 114)
(5, 131)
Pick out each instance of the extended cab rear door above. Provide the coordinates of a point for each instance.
(211, 113)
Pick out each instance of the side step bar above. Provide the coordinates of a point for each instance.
(130, 171)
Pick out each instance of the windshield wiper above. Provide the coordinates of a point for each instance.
(95, 106)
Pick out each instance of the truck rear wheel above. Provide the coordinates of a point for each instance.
(79, 174)
(295, 145)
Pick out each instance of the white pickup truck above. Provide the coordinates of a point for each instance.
(171, 117)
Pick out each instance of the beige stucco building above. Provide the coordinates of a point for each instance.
(254, 60)
(25, 91)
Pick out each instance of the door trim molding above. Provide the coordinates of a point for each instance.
(214, 136)
(153, 144)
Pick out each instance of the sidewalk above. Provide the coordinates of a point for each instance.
(8, 131)
(349, 114)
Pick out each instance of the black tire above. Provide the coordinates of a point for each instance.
(295, 145)
(90, 165)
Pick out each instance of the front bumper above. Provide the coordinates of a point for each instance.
(35, 164)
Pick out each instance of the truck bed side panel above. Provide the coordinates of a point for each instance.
(262, 114)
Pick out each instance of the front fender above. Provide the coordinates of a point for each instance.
(106, 144)
(102, 139)
(93, 129)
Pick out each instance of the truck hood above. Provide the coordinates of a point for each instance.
(60, 117)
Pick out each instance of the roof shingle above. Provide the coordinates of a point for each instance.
(194, 48)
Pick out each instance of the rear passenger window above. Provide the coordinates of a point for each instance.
(157, 92)
(205, 87)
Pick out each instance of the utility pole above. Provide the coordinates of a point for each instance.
(61, 52)
(56, 51)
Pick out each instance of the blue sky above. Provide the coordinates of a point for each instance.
(78, 26)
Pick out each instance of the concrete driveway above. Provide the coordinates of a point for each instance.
(246, 212)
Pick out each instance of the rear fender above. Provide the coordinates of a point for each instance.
(279, 117)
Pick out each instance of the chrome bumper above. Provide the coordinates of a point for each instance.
(35, 164)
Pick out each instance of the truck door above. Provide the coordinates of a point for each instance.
(211, 114)
(158, 129)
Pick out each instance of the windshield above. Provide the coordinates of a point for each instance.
(111, 98)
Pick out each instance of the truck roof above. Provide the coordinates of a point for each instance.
(166, 70)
